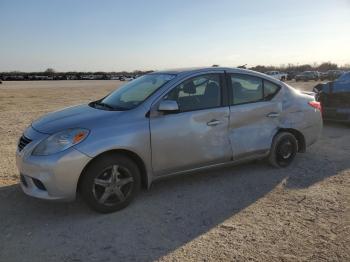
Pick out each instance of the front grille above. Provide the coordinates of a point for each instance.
(23, 141)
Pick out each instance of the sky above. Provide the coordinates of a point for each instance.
(84, 35)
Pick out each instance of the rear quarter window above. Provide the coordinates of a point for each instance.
(270, 90)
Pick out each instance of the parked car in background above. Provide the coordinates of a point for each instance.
(277, 74)
(291, 75)
(164, 123)
(324, 76)
(113, 77)
(335, 98)
(331, 75)
(128, 78)
(87, 77)
(307, 75)
(334, 74)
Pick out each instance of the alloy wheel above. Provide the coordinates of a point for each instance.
(113, 185)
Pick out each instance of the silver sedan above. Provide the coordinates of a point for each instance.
(162, 124)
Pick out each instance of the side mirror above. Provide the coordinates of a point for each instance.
(168, 106)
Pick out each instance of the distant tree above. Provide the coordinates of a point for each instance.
(327, 66)
(303, 68)
(243, 66)
(49, 71)
(346, 67)
(262, 68)
(99, 73)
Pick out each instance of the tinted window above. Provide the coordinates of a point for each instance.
(197, 93)
(246, 89)
(270, 90)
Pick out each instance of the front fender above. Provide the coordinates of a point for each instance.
(133, 136)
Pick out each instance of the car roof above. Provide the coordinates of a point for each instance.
(178, 71)
(183, 72)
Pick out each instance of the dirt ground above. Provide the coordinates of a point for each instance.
(250, 212)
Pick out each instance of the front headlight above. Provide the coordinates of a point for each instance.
(60, 141)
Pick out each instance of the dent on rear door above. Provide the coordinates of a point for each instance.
(251, 130)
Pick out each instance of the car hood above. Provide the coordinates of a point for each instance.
(81, 116)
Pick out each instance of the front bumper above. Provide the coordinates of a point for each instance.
(58, 174)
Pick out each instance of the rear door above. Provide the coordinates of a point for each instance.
(196, 135)
(254, 114)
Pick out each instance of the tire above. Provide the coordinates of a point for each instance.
(283, 150)
(110, 183)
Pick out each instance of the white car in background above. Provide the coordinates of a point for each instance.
(277, 74)
(126, 78)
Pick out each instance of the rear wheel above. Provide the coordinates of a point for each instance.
(283, 150)
(110, 183)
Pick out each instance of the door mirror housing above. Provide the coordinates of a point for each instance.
(168, 106)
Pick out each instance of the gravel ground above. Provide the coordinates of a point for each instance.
(248, 212)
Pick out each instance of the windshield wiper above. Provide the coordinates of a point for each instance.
(104, 105)
(115, 108)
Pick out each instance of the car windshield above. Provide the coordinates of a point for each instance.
(134, 93)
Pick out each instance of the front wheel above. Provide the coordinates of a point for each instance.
(110, 183)
(283, 150)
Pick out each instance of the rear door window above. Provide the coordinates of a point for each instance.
(245, 89)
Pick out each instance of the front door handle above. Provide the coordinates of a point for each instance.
(213, 123)
(273, 115)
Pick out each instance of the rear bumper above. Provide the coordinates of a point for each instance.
(312, 133)
(311, 127)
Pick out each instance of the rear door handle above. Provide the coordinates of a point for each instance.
(273, 115)
(213, 123)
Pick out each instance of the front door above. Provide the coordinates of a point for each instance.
(196, 135)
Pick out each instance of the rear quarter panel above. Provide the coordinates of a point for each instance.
(299, 115)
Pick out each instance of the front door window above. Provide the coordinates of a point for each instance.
(202, 92)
